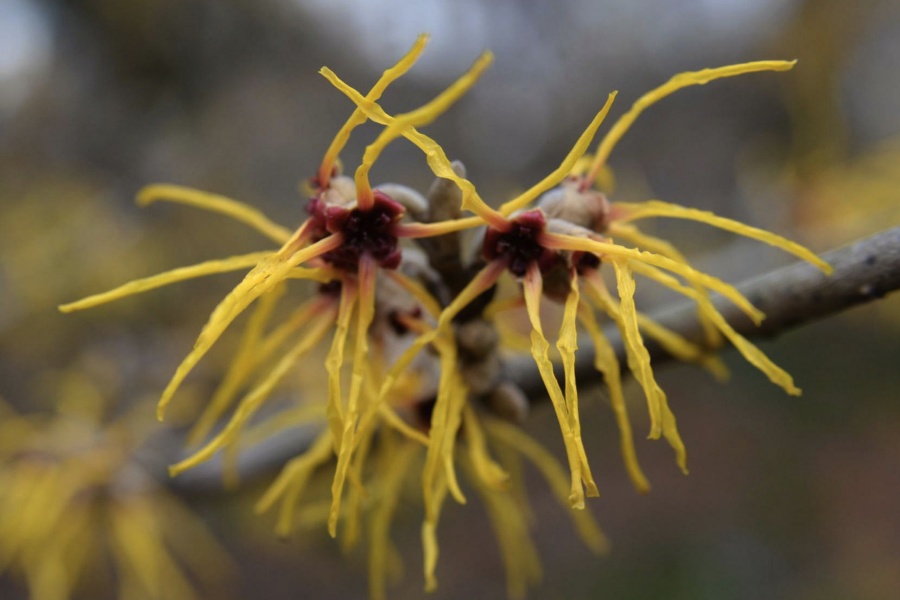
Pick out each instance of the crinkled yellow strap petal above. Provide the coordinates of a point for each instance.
(626, 212)
(240, 369)
(358, 117)
(486, 468)
(554, 475)
(391, 418)
(567, 344)
(434, 154)
(564, 169)
(665, 248)
(418, 291)
(416, 118)
(254, 399)
(520, 558)
(335, 360)
(210, 267)
(568, 242)
(482, 282)
(626, 286)
(429, 533)
(682, 80)
(261, 279)
(754, 355)
(298, 468)
(635, 343)
(379, 547)
(679, 347)
(364, 318)
(607, 363)
(532, 288)
(215, 203)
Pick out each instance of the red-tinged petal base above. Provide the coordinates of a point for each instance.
(371, 231)
(520, 245)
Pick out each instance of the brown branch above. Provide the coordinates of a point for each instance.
(790, 297)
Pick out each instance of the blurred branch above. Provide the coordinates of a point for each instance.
(790, 297)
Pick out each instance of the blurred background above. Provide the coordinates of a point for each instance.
(787, 497)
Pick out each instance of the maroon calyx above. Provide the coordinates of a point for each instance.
(332, 288)
(584, 261)
(519, 245)
(365, 231)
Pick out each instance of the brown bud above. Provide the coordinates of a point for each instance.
(509, 402)
(588, 209)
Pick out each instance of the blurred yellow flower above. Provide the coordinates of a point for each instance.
(74, 504)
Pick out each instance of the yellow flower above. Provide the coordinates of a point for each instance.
(571, 232)
(73, 500)
(351, 235)
(389, 460)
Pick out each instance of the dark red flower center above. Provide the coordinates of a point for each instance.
(365, 231)
(519, 245)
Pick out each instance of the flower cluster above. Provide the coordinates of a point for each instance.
(75, 507)
(410, 414)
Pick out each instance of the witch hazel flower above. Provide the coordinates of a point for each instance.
(353, 231)
(557, 248)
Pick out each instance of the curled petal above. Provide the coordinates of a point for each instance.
(532, 287)
(682, 80)
(210, 267)
(754, 355)
(262, 278)
(564, 169)
(434, 154)
(358, 117)
(215, 203)
(554, 475)
(626, 212)
(568, 242)
(606, 362)
(254, 399)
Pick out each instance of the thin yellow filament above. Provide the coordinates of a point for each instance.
(754, 355)
(261, 279)
(533, 289)
(564, 169)
(606, 362)
(215, 203)
(568, 242)
(627, 212)
(416, 118)
(674, 84)
(554, 475)
(434, 154)
(358, 117)
(254, 399)
(210, 267)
